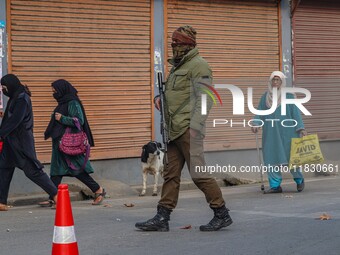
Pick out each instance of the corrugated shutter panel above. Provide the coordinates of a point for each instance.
(103, 49)
(240, 40)
(317, 63)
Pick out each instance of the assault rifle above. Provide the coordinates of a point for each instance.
(164, 132)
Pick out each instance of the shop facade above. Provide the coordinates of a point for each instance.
(112, 50)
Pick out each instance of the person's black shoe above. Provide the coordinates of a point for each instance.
(273, 190)
(300, 186)
(158, 223)
(221, 219)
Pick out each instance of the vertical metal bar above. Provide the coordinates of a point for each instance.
(286, 41)
(158, 48)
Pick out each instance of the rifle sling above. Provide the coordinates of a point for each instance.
(181, 107)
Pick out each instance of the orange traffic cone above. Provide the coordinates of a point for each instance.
(64, 238)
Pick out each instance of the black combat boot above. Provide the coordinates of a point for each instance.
(158, 223)
(221, 219)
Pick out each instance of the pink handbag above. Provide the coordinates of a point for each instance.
(73, 144)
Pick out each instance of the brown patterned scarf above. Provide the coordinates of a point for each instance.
(183, 41)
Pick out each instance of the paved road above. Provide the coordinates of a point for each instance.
(263, 224)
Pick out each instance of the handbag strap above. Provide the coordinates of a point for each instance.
(76, 123)
(72, 166)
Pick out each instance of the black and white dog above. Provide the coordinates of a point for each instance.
(152, 163)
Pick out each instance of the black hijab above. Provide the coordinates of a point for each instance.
(65, 93)
(14, 89)
(14, 86)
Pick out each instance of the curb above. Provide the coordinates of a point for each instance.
(115, 189)
(36, 198)
(190, 185)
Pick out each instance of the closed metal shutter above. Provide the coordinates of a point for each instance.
(240, 41)
(103, 49)
(317, 64)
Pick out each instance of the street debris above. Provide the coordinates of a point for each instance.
(129, 205)
(324, 216)
(186, 227)
(288, 196)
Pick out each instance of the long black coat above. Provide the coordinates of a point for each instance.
(17, 132)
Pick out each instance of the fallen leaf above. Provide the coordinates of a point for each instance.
(107, 205)
(324, 216)
(129, 205)
(186, 227)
